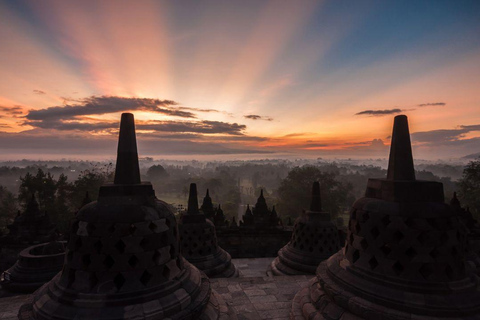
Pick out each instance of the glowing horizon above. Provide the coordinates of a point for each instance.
(311, 77)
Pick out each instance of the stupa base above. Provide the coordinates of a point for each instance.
(217, 266)
(330, 296)
(192, 300)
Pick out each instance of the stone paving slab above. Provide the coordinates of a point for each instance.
(253, 267)
(260, 297)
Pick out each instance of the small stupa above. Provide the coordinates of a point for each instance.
(123, 259)
(314, 239)
(207, 207)
(404, 256)
(30, 227)
(199, 242)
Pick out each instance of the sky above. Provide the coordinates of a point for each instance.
(262, 78)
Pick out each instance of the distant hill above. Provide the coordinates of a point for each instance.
(472, 156)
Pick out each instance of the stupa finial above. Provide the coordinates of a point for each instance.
(127, 170)
(192, 200)
(316, 204)
(400, 163)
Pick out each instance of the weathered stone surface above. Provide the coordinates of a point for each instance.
(404, 256)
(36, 265)
(314, 239)
(123, 258)
(198, 241)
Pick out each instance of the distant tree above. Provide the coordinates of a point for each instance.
(156, 172)
(469, 187)
(42, 185)
(90, 181)
(294, 192)
(8, 208)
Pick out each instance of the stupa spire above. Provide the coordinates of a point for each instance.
(316, 204)
(400, 162)
(127, 170)
(192, 200)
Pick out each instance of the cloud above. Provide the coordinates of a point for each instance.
(204, 126)
(442, 136)
(39, 142)
(38, 91)
(378, 113)
(14, 111)
(257, 117)
(107, 104)
(432, 104)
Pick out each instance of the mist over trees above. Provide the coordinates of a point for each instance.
(60, 187)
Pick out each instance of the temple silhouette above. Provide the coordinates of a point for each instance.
(407, 254)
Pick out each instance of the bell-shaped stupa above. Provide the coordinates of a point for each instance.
(123, 259)
(207, 207)
(199, 242)
(404, 256)
(314, 239)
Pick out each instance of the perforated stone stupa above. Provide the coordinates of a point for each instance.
(314, 239)
(36, 265)
(30, 227)
(260, 216)
(199, 242)
(123, 259)
(404, 257)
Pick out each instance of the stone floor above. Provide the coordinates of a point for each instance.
(254, 295)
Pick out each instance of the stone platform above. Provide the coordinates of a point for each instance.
(252, 296)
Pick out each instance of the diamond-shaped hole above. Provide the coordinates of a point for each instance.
(86, 260)
(152, 226)
(352, 238)
(90, 228)
(444, 237)
(373, 263)
(355, 255)
(120, 246)
(411, 253)
(398, 268)
(145, 278)
(375, 232)
(78, 243)
(449, 272)
(434, 253)
(410, 222)
(119, 281)
(398, 236)
(98, 246)
(353, 215)
(71, 278)
(364, 244)
(422, 237)
(133, 261)
(75, 226)
(166, 272)
(156, 257)
(426, 270)
(133, 228)
(358, 228)
(144, 243)
(386, 220)
(93, 280)
(109, 262)
(386, 249)
(454, 251)
(366, 216)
